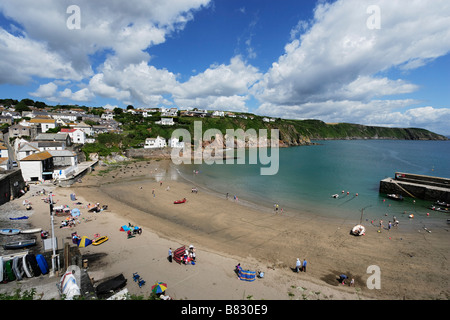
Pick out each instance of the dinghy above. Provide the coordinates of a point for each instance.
(9, 232)
(20, 244)
(27, 267)
(18, 268)
(180, 201)
(31, 230)
(358, 230)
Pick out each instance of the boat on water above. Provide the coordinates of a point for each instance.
(358, 230)
(439, 209)
(395, 196)
(442, 204)
(31, 230)
(19, 244)
(335, 196)
(180, 201)
(9, 232)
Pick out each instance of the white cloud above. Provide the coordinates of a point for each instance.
(45, 90)
(218, 84)
(81, 95)
(331, 71)
(22, 58)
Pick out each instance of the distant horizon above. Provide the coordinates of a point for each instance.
(371, 62)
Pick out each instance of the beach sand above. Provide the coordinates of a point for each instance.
(413, 263)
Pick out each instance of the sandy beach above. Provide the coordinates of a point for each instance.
(413, 264)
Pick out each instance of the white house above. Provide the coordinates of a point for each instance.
(152, 143)
(26, 150)
(77, 135)
(45, 124)
(218, 114)
(3, 151)
(5, 163)
(175, 143)
(166, 122)
(266, 119)
(108, 116)
(37, 167)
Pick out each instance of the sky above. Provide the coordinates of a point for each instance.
(375, 62)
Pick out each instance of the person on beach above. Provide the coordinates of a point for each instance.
(170, 255)
(304, 265)
(298, 265)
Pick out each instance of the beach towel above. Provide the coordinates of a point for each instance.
(247, 275)
(178, 254)
(124, 228)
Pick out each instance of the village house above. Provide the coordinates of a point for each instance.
(77, 135)
(5, 163)
(153, 143)
(6, 119)
(218, 114)
(165, 122)
(37, 167)
(26, 150)
(175, 143)
(44, 124)
(57, 137)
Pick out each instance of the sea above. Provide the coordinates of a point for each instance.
(308, 176)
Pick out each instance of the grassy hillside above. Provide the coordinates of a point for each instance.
(292, 132)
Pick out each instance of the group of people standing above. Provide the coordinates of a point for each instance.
(300, 266)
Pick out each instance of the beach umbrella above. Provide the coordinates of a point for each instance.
(75, 212)
(159, 287)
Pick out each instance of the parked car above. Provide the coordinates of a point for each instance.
(14, 163)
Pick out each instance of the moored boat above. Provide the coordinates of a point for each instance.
(439, 209)
(19, 244)
(394, 196)
(180, 201)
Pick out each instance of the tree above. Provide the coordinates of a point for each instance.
(130, 107)
(21, 106)
(118, 111)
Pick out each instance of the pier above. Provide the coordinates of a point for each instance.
(417, 186)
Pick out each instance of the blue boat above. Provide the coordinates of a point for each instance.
(42, 263)
(19, 218)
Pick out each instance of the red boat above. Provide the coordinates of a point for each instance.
(180, 201)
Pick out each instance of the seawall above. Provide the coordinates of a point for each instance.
(417, 186)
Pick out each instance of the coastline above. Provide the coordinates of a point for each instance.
(272, 242)
(413, 264)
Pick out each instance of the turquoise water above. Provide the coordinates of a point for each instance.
(308, 176)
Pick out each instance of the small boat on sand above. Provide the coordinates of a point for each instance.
(9, 232)
(180, 201)
(19, 218)
(358, 230)
(31, 230)
(20, 244)
(99, 241)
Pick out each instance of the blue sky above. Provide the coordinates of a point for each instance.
(374, 62)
